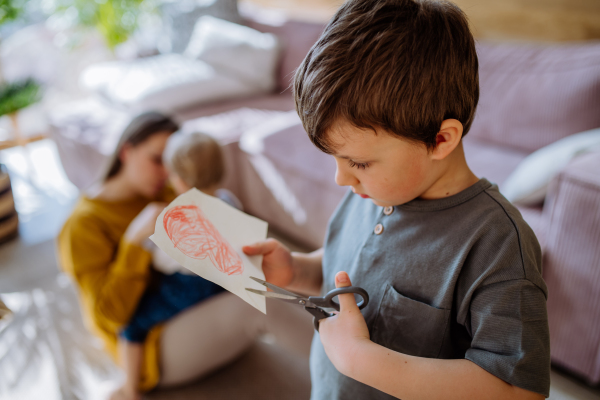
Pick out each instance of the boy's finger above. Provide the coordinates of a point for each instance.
(260, 248)
(347, 301)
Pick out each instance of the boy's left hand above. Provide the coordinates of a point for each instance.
(343, 333)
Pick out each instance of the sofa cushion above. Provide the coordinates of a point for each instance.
(237, 51)
(533, 95)
(179, 19)
(297, 37)
(528, 184)
(163, 83)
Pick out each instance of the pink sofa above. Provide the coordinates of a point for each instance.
(530, 96)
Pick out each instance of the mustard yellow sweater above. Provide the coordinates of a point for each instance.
(111, 274)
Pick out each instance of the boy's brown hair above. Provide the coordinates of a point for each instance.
(196, 158)
(400, 65)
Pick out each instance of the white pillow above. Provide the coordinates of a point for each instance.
(528, 183)
(162, 83)
(236, 50)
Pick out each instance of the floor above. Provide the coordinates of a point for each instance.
(44, 198)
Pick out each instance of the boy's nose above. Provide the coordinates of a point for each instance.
(344, 178)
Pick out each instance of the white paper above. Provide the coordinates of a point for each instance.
(206, 235)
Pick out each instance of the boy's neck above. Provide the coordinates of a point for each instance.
(455, 176)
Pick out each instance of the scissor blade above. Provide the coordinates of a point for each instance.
(277, 289)
(272, 294)
(278, 296)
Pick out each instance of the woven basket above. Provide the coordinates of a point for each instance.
(9, 220)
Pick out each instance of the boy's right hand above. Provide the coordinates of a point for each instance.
(277, 261)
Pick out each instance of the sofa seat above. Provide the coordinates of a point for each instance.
(288, 181)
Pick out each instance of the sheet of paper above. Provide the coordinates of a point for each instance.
(206, 235)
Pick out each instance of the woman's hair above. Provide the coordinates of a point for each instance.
(138, 131)
(196, 158)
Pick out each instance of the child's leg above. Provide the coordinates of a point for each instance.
(131, 357)
(207, 336)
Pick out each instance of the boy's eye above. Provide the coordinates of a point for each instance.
(358, 165)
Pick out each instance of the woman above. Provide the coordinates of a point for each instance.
(102, 247)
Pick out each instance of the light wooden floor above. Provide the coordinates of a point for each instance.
(513, 20)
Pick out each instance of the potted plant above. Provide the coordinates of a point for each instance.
(16, 95)
(116, 20)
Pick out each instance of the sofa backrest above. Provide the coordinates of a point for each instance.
(297, 37)
(533, 95)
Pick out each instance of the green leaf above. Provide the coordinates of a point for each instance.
(17, 95)
(10, 10)
(116, 20)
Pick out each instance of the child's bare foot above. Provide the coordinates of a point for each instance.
(124, 393)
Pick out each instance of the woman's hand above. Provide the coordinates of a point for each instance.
(277, 261)
(142, 227)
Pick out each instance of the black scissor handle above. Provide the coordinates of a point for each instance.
(328, 302)
(318, 314)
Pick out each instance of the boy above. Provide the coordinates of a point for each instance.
(458, 305)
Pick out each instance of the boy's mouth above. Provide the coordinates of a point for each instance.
(364, 196)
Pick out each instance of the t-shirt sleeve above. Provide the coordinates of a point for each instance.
(510, 335)
(109, 282)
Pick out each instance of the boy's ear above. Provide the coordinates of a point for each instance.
(447, 138)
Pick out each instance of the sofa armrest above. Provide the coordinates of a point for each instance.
(572, 209)
(572, 266)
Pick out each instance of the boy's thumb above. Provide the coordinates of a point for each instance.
(260, 248)
(347, 301)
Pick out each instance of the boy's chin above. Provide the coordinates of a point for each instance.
(381, 203)
(388, 203)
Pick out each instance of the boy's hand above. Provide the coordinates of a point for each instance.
(277, 261)
(342, 334)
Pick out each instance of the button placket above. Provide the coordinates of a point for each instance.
(378, 229)
(388, 210)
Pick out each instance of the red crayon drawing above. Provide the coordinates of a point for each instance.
(196, 237)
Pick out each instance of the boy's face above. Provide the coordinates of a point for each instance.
(388, 170)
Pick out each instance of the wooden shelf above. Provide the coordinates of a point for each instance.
(6, 144)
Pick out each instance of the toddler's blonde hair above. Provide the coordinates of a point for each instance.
(196, 158)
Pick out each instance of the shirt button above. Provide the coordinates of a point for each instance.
(378, 229)
(388, 210)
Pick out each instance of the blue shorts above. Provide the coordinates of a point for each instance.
(174, 293)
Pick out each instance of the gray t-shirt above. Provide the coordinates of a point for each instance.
(452, 278)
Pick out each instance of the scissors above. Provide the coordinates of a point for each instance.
(312, 304)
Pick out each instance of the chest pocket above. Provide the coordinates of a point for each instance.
(409, 326)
